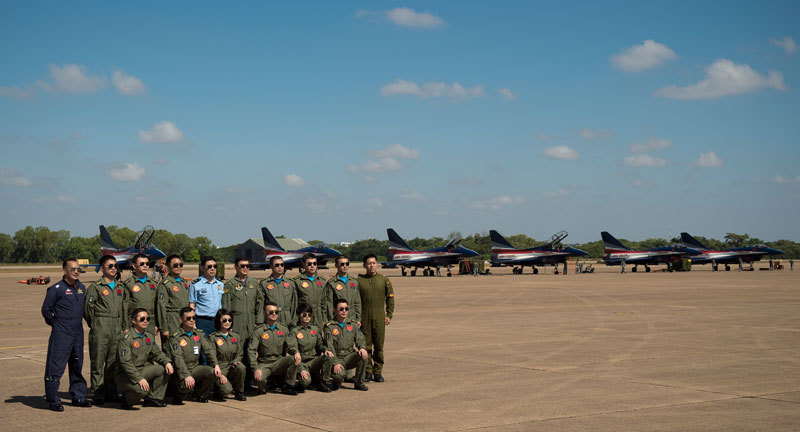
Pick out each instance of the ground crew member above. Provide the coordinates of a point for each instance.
(141, 289)
(343, 286)
(188, 345)
(279, 290)
(311, 289)
(267, 349)
(377, 309)
(105, 311)
(229, 347)
(240, 297)
(173, 294)
(341, 336)
(205, 295)
(62, 310)
(311, 345)
(142, 365)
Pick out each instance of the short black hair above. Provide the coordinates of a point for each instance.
(137, 311)
(185, 310)
(106, 258)
(172, 257)
(218, 318)
(64, 264)
(304, 307)
(269, 303)
(338, 302)
(139, 255)
(368, 256)
(274, 258)
(340, 257)
(206, 259)
(307, 257)
(240, 259)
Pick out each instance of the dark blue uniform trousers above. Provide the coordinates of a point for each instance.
(64, 348)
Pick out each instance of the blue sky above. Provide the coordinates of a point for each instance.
(335, 121)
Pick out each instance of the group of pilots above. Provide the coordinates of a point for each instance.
(216, 339)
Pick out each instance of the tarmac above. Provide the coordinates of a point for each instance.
(693, 351)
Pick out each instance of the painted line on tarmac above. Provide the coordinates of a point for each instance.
(22, 346)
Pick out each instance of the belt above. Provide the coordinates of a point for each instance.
(210, 318)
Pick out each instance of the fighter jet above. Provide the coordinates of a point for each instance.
(745, 254)
(615, 253)
(401, 254)
(504, 254)
(124, 256)
(292, 258)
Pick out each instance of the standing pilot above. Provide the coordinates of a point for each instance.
(62, 311)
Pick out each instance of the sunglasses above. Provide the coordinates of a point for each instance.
(177, 265)
(311, 263)
(143, 264)
(144, 319)
(305, 314)
(344, 264)
(277, 265)
(210, 266)
(190, 318)
(344, 309)
(244, 265)
(110, 266)
(74, 270)
(226, 320)
(271, 312)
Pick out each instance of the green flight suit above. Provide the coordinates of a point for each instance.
(230, 350)
(142, 295)
(311, 345)
(313, 293)
(344, 340)
(335, 289)
(267, 350)
(106, 313)
(186, 351)
(281, 293)
(140, 357)
(173, 295)
(377, 303)
(241, 298)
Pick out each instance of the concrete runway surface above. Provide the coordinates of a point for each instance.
(658, 351)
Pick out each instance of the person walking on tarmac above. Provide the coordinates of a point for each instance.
(62, 310)
(377, 309)
(311, 290)
(105, 312)
(141, 290)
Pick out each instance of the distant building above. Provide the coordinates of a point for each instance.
(345, 244)
(253, 249)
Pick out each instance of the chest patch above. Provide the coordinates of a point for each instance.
(304, 284)
(196, 338)
(136, 344)
(300, 335)
(106, 292)
(183, 342)
(349, 328)
(286, 284)
(233, 340)
(335, 332)
(339, 287)
(313, 332)
(136, 288)
(265, 336)
(270, 287)
(220, 342)
(175, 288)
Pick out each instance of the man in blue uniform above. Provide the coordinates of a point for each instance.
(205, 295)
(63, 311)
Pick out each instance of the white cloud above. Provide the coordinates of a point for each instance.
(17, 92)
(11, 177)
(293, 180)
(73, 79)
(783, 180)
(641, 57)
(507, 93)
(708, 160)
(592, 134)
(380, 165)
(162, 132)
(396, 151)
(787, 43)
(375, 202)
(724, 78)
(431, 90)
(497, 202)
(641, 184)
(406, 17)
(559, 193)
(412, 196)
(126, 84)
(651, 144)
(128, 172)
(561, 152)
(644, 160)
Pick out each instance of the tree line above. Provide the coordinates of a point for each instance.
(42, 245)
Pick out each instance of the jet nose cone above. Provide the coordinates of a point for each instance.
(469, 252)
(156, 253)
(576, 251)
